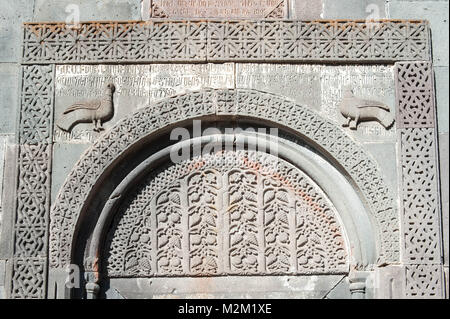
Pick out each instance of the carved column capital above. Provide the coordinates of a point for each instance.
(357, 280)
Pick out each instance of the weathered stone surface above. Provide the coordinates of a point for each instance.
(2, 279)
(9, 199)
(322, 88)
(136, 86)
(444, 170)
(360, 9)
(216, 41)
(9, 80)
(436, 12)
(2, 163)
(390, 282)
(229, 287)
(103, 10)
(254, 104)
(442, 97)
(248, 9)
(210, 90)
(12, 14)
(306, 10)
(168, 80)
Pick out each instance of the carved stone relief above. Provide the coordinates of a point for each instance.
(356, 110)
(199, 41)
(33, 190)
(275, 9)
(45, 97)
(420, 185)
(323, 88)
(236, 213)
(243, 102)
(136, 86)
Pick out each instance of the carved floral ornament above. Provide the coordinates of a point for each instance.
(265, 107)
(291, 41)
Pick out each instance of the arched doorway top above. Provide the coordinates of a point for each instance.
(322, 134)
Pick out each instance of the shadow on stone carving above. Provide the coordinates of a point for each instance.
(95, 111)
(356, 110)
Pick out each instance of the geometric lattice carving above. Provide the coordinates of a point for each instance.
(28, 281)
(37, 104)
(267, 40)
(33, 186)
(415, 106)
(326, 135)
(419, 194)
(237, 213)
(324, 40)
(424, 281)
(116, 41)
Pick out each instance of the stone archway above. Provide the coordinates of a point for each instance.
(325, 137)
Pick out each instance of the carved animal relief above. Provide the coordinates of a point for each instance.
(230, 213)
(356, 110)
(96, 112)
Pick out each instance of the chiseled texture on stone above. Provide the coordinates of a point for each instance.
(222, 41)
(424, 277)
(235, 102)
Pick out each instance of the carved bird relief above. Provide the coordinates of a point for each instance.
(357, 110)
(95, 111)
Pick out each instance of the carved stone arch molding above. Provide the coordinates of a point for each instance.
(82, 184)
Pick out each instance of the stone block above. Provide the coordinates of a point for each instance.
(436, 12)
(442, 97)
(12, 14)
(354, 9)
(64, 158)
(8, 202)
(8, 96)
(322, 88)
(69, 10)
(386, 156)
(444, 171)
(390, 282)
(2, 279)
(231, 9)
(306, 10)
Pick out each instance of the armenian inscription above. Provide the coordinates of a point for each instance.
(323, 87)
(217, 8)
(136, 86)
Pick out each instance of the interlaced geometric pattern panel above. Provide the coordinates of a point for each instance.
(28, 278)
(115, 42)
(420, 180)
(33, 188)
(229, 213)
(324, 40)
(362, 169)
(415, 95)
(424, 281)
(420, 203)
(267, 40)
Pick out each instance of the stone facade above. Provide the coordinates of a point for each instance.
(91, 190)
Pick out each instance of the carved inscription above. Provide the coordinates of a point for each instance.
(79, 83)
(323, 88)
(136, 86)
(218, 8)
(171, 79)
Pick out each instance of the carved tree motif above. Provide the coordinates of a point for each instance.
(241, 215)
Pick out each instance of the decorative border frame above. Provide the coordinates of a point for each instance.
(159, 41)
